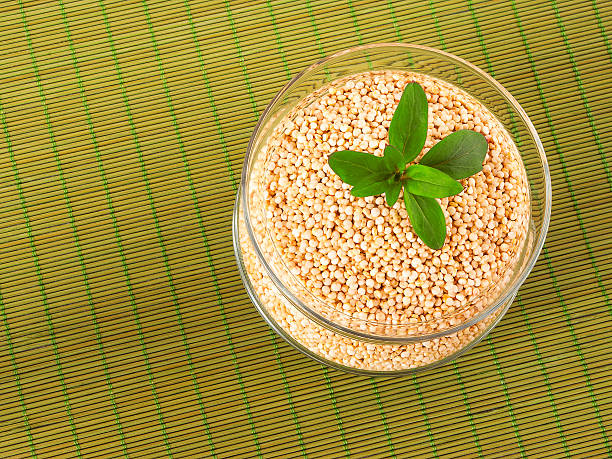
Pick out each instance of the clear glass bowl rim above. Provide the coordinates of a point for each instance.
(510, 290)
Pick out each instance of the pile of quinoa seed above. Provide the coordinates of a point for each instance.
(362, 257)
(351, 353)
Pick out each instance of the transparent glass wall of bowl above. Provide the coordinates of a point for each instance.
(299, 93)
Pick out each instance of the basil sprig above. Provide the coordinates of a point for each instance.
(457, 156)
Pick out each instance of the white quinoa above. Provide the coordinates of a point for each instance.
(346, 351)
(357, 261)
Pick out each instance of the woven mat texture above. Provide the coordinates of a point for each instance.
(124, 327)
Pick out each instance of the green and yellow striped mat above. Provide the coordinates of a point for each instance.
(124, 327)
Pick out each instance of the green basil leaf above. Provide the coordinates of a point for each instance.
(408, 129)
(430, 182)
(392, 192)
(459, 154)
(358, 168)
(370, 189)
(427, 219)
(393, 158)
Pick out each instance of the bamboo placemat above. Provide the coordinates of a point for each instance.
(125, 329)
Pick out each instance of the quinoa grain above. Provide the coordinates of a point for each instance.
(361, 259)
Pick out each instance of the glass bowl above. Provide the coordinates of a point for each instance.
(307, 322)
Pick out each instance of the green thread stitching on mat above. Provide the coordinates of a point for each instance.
(24, 412)
(279, 46)
(545, 375)
(32, 245)
(561, 156)
(396, 28)
(580, 222)
(317, 38)
(76, 238)
(506, 396)
(355, 25)
(7, 331)
(481, 38)
(211, 99)
(4, 315)
(434, 15)
(45, 303)
(316, 30)
(515, 132)
(602, 29)
(531, 334)
(468, 409)
(118, 240)
(583, 96)
(332, 397)
(148, 189)
(200, 223)
(218, 124)
(288, 393)
(383, 417)
(518, 139)
(209, 258)
(228, 12)
(432, 442)
(256, 114)
(577, 346)
(394, 20)
(102, 173)
(437, 25)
